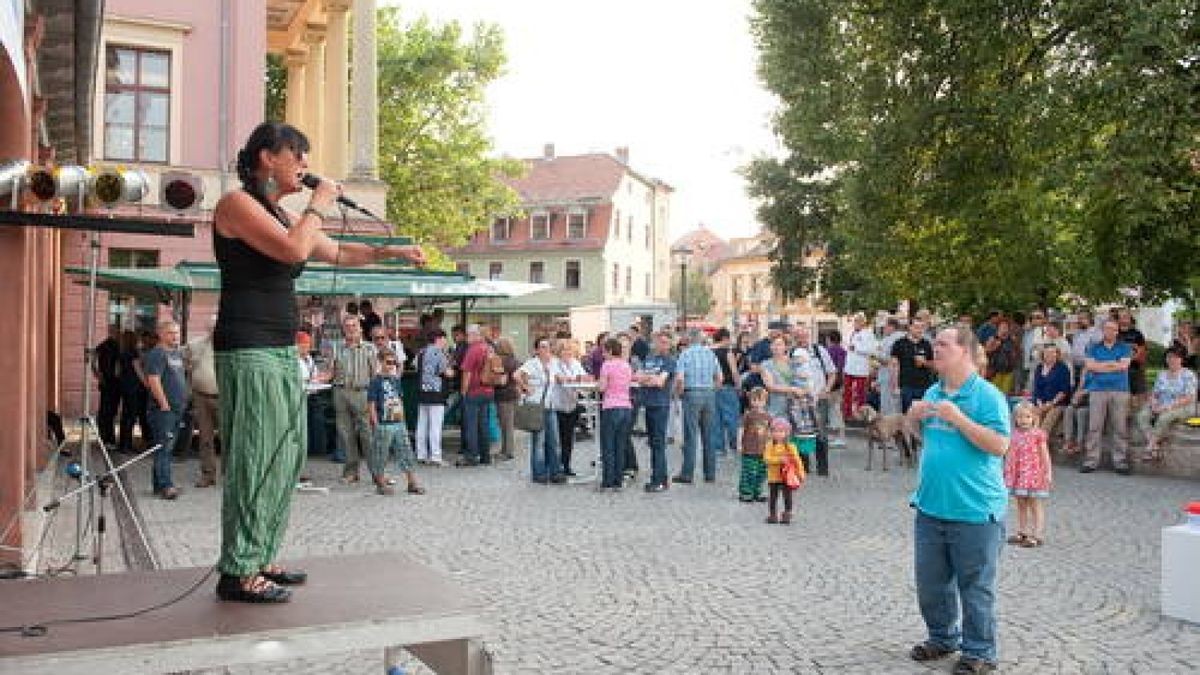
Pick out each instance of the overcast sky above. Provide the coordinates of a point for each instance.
(674, 80)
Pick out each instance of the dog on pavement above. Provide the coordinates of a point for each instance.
(885, 429)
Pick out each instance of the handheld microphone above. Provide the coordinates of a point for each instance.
(311, 181)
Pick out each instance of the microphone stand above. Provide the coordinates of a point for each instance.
(103, 482)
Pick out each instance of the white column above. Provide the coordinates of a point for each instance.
(314, 109)
(364, 114)
(334, 137)
(294, 113)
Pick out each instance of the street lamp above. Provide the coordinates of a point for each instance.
(682, 253)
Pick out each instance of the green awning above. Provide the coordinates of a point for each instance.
(317, 279)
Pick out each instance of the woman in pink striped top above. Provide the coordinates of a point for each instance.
(616, 413)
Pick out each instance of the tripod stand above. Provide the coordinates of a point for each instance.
(104, 482)
(88, 430)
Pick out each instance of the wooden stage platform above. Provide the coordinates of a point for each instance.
(382, 601)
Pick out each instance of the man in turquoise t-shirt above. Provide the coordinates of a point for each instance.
(960, 501)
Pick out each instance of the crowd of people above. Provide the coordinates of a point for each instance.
(689, 387)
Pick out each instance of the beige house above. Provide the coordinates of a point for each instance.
(743, 296)
(593, 228)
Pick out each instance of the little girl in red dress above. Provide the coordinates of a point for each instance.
(1027, 473)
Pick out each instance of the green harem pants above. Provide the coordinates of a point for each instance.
(264, 441)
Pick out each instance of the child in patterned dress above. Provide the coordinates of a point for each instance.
(756, 431)
(1027, 473)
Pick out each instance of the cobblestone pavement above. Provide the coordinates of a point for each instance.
(576, 581)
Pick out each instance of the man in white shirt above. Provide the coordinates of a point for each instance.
(202, 375)
(859, 348)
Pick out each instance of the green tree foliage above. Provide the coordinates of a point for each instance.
(433, 145)
(974, 153)
(276, 85)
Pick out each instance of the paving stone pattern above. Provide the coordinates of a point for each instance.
(691, 581)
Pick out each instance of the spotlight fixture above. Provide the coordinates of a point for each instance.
(114, 185)
(48, 183)
(180, 191)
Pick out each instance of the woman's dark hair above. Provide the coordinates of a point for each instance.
(613, 346)
(722, 334)
(1177, 351)
(271, 136)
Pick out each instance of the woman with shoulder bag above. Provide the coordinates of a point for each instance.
(535, 378)
(433, 369)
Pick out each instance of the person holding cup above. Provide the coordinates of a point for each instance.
(911, 360)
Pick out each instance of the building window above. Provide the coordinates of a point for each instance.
(463, 268)
(127, 312)
(629, 230)
(571, 279)
(537, 272)
(502, 229)
(495, 271)
(137, 104)
(628, 281)
(616, 233)
(539, 226)
(576, 225)
(649, 236)
(616, 278)
(649, 286)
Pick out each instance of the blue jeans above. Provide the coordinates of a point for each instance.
(699, 421)
(956, 564)
(164, 429)
(615, 425)
(656, 435)
(728, 418)
(476, 445)
(543, 448)
(908, 395)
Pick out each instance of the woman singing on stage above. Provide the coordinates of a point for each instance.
(261, 248)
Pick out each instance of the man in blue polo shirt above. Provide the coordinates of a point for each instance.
(1107, 363)
(699, 375)
(960, 501)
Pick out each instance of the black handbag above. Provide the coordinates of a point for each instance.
(531, 417)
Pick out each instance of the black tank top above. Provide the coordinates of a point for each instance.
(258, 296)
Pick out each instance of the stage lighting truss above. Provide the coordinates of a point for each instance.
(12, 180)
(180, 192)
(115, 185)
